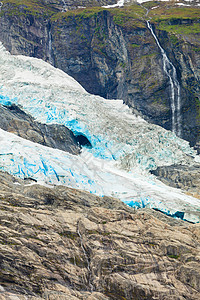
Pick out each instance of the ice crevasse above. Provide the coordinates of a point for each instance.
(124, 147)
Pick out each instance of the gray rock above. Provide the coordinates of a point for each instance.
(61, 243)
(14, 120)
(179, 176)
(112, 56)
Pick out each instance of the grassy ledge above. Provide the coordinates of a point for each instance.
(127, 17)
(165, 11)
(168, 17)
(180, 29)
(174, 19)
(23, 7)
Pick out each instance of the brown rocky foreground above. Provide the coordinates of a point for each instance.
(61, 243)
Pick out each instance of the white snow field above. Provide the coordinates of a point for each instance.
(124, 148)
(119, 3)
(189, 2)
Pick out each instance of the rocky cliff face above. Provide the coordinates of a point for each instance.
(116, 58)
(112, 53)
(184, 177)
(61, 243)
(14, 120)
(183, 47)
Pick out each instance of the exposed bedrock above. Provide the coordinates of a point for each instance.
(179, 176)
(64, 5)
(113, 54)
(60, 243)
(16, 121)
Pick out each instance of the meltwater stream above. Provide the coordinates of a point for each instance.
(51, 61)
(175, 98)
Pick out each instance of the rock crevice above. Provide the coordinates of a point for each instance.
(113, 54)
(80, 246)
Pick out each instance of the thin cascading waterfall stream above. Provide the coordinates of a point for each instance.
(64, 6)
(51, 60)
(175, 98)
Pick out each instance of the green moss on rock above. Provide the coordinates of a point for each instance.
(24, 7)
(164, 12)
(180, 29)
(197, 102)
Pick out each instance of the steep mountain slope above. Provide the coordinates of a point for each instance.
(184, 177)
(122, 147)
(57, 241)
(112, 53)
(62, 243)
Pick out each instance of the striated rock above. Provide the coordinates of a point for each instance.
(179, 176)
(113, 54)
(14, 120)
(61, 243)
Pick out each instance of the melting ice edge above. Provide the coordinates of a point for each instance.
(125, 147)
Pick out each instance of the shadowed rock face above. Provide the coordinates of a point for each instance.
(179, 176)
(61, 243)
(14, 120)
(113, 56)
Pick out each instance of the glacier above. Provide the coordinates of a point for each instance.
(51, 96)
(26, 159)
(124, 146)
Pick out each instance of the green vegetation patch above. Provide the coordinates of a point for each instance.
(174, 40)
(78, 13)
(197, 102)
(151, 4)
(130, 16)
(173, 256)
(33, 7)
(196, 49)
(163, 12)
(180, 29)
(173, 19)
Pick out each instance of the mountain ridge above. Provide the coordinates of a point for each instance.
(112, 53)
(72, 237)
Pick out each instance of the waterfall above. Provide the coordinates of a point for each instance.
(175, 97)
(64, 6)
(51, 60)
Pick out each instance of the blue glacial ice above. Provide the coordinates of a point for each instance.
(51, 96)
(24, 159)
(124, 148)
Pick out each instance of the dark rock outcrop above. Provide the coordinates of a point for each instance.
(113, 54)
(179, 176)
(14, 120)
(61, 243)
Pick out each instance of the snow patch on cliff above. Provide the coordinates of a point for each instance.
(120, 3)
